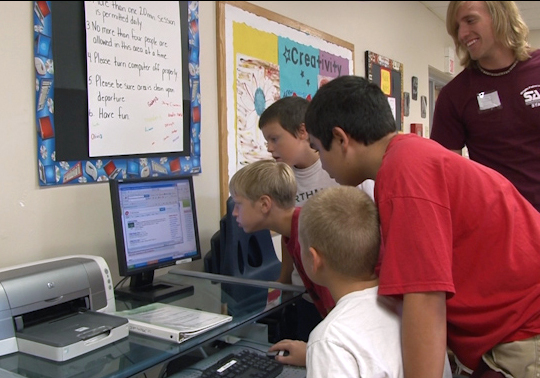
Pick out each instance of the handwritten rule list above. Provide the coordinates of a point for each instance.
(134, 69)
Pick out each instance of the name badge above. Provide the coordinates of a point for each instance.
(489, 100)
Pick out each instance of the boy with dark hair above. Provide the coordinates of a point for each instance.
(282, 125)
(461, 244)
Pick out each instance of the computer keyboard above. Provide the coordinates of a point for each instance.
(244, 364)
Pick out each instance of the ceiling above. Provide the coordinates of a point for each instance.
(530, 11)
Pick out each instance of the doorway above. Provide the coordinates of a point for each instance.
(437, 80)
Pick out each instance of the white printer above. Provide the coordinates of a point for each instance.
(59, 308)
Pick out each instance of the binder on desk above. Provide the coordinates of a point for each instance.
(170, 322)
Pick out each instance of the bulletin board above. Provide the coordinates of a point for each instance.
(117, 90)
(388, 74)
(264, 56)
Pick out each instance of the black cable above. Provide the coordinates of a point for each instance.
(121, 282)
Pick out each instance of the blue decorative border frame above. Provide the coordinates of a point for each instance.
(52, 172)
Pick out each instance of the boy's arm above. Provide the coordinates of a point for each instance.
(286, 264)
(424, 334)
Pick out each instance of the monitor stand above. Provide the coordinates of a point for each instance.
(142, 287)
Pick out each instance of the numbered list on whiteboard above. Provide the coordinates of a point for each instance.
(134, 72)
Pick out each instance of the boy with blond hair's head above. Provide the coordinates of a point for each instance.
(341, 227)
(265, 178)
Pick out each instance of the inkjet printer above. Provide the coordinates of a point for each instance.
(58, 309)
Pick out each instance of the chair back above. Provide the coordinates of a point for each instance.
(248, 255)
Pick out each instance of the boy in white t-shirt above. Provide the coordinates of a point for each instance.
(339, 237)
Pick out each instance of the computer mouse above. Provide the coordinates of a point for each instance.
(275, 353)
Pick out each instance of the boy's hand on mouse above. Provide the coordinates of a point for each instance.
(297, 352)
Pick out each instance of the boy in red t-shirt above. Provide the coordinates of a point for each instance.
(460, 243)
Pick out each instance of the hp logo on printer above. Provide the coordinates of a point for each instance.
(50, 285)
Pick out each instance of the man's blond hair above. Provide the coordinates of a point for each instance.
(508, 27)
(265, 177)
(342, 224)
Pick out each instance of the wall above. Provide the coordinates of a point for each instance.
(38, 223)
(534, 38)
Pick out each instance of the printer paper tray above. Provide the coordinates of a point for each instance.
(71, 336)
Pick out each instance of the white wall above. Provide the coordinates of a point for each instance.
(534, 38)
(38, 223)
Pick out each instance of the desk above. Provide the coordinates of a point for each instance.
(245, 300)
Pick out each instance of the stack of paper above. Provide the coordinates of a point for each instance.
(172, 323)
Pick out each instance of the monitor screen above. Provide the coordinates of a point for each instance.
(155, 226)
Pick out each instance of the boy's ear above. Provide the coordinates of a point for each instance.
(265, 203)
(341, 137)
(317, 259)
(302, 133)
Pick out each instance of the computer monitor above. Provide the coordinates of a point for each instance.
(155, 226)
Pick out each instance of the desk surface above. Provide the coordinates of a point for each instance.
(246, 300)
